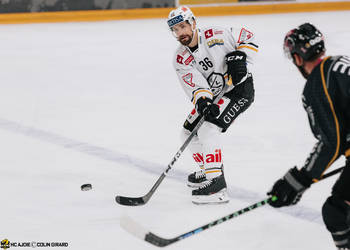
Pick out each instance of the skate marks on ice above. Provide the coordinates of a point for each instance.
(304, 213)
(82, 147)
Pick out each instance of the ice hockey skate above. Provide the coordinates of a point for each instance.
(213, 191)
(197, 179)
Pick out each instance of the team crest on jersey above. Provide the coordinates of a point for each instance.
(179, 59)
(188, 79)
(208, 33)
(216, 82)
(214, 42)
(244, 35)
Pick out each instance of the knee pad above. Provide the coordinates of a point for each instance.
(336, 213)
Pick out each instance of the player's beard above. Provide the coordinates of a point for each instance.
(185, 39)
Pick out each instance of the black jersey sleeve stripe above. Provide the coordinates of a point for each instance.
(254, 45)
(251, 44)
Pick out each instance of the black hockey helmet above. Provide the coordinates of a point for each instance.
(306, 41)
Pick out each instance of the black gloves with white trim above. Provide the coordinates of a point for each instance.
(290, 187)
(207, 108)
(236, 65)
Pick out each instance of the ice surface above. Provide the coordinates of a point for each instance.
(100, 103)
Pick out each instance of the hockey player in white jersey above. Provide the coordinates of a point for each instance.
(205, 60)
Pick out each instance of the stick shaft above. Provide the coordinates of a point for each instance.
(159, 241)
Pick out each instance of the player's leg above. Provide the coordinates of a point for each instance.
(336, 211)
(197, 178)
(214, 190)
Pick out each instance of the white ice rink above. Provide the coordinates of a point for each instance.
(100, 103)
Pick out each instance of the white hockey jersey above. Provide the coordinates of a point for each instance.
(204, 71)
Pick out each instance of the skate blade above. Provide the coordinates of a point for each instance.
(218, 198)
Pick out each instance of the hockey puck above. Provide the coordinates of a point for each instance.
(86, 187)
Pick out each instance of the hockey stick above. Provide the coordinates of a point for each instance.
(137, 230)
(331, 173)
(136, 201)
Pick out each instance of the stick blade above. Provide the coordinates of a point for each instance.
(130, 201)
(134, 228)
(131, 226)
(159, 241)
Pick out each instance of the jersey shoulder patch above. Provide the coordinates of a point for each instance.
(188, 79)
(244, 35)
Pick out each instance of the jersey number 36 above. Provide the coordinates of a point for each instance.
(206, 64)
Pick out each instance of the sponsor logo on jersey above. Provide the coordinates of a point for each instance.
(244, 35)
(214, 42)
(188, 79)
(309, 111)
(208, 33)
(218, 32)
(189, 60)
(179, 59)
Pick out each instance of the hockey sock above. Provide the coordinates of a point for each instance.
(209, 135)
(195, 147)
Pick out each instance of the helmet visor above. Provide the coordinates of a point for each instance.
(289, 44)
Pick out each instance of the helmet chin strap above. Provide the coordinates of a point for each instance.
(193, 32)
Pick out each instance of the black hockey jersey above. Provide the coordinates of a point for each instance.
(326, 99)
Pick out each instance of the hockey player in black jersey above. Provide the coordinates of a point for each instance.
(326, 99)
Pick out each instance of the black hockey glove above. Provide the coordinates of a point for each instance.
(205, 107)
(290, 188)
(236, 65)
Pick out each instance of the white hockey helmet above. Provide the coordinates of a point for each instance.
(181, 14)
